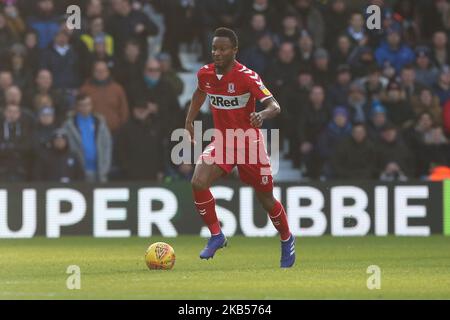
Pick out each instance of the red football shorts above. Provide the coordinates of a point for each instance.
(252, 162)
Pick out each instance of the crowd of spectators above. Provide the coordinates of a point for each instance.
(100, 103)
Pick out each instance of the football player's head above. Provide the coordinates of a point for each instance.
(224, 47)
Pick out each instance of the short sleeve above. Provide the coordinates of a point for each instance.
(200, 80)
(256, 86)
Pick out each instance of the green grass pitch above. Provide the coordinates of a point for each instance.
(327, 268)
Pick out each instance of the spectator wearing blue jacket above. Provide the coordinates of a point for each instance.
(393, 52)
(45, 22)
(90, 140)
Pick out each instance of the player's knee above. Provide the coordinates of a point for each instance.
(199, 183)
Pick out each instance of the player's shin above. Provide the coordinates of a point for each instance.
(206, 207)
(279, 220)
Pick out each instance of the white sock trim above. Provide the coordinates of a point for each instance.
(279, 214)
(200, 203)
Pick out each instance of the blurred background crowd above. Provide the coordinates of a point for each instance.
(100, 103)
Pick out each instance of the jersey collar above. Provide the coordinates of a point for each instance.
(221, 76)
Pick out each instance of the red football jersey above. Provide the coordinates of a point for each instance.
(232, 96)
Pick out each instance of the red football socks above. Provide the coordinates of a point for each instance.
(206, 206)
(279, 220)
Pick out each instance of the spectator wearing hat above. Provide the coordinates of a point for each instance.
(339, 91)
(426, 101)
(143, 129)
(337, 129)
(357, 103)
(442, 86)
(90, 139)
(394, 159)
(377, 121)
(259, 56)
(323, 74)
(426, 73)
(15, 146)
(108, 97)
(354, 157)
(399, 111)
(393, 52)
(58, 163)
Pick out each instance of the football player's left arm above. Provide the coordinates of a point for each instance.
(271, 110)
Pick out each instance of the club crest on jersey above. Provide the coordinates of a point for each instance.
(264, 180)
(231, 88)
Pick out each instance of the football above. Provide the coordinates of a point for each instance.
(160, 256)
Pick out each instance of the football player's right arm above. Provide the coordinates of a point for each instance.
(198, 98)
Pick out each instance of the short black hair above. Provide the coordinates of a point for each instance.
(81, 97)
(227, 33)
